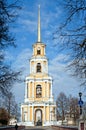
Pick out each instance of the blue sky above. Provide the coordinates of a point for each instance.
(25, 30)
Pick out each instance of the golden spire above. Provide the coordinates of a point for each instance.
(39, 25)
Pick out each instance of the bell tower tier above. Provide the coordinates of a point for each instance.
(39, 107)
(38, 61)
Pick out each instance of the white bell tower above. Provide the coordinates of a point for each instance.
(39, 107)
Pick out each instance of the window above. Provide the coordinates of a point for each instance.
(38, 91)
(38, 67)
(38, 51)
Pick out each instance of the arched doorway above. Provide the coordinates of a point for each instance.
(38, 117)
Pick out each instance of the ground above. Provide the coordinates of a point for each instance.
(40, 128)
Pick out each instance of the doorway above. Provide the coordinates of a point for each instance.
(38, 117)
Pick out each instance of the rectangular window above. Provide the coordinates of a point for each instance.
(38, 52)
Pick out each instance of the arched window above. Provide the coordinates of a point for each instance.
(38, 51)
(38, 91)
(38, 67)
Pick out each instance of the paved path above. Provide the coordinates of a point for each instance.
(39, 128)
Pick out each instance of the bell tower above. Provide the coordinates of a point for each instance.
(39, 107)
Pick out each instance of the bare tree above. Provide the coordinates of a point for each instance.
(16, 112)
(72, 35)
(67, 105)
(73, 108)
(4, 116)
(62, 105)
(10, 105)
(7, 16)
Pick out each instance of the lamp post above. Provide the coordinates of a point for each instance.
(80, 102)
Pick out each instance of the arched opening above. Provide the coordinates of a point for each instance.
(38, 91)
(38, 117)
(38, 67)
(38, 51)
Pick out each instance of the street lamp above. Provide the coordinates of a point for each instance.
(80, 94)
(80, 103)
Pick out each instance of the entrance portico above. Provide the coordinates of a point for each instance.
(38, 114)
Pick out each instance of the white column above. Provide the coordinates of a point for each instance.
(35, 67)
(44, 113)
(47, 66)
(49, 113)
(26, 90)
(32, 113)
(42, 67)
(28, 113)
(44, 50)
(33, 90)
(55, 113)
(30, 67)
(29, 90)
(47, 88)
(51, 88)
(21, 113)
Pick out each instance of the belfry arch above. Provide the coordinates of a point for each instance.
(38, 67)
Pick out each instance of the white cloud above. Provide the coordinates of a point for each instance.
(21, 63)
(62, 82)
(8, 56)
(22, 60)
(29, 25)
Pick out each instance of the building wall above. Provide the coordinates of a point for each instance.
(31, 90)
